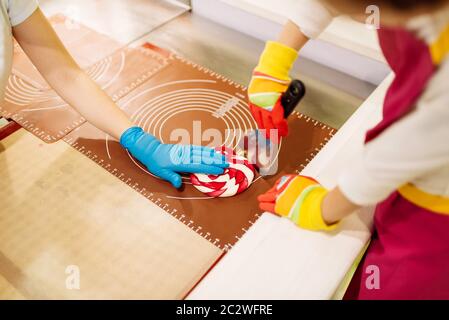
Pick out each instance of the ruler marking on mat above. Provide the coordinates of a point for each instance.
(41, 133)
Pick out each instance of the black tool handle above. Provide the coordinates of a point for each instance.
(292, 96)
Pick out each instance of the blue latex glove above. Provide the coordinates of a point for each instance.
(166, 160)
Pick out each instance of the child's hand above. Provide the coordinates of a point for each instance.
(299, 199)
(166, 160)
(270, 80)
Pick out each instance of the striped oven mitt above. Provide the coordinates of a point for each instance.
(299, 199)
(270, 80)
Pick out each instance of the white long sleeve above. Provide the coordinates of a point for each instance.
(20, 10)
(311, 16)
(12, 13)
(413, 150)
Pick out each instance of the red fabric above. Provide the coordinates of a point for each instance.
(411, 61)
(8, 129)
(411, 244)
(411, 249)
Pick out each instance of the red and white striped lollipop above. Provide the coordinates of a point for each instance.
(235, 179)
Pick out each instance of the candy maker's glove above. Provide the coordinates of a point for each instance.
(270, 80)
(299, 199)
(167, 160)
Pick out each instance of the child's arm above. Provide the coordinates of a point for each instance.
(412, 150)
(50, 57)
(304, 201)
(308, 18)
(40, 42)
(292, 36)
(336, 206)
(271, 76)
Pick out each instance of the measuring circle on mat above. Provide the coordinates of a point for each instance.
(235, 179)
(191, 112)
(200, 112)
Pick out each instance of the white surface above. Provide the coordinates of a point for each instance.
(12, 12)
(238, 18)
(343, 31)
(275, 259)
(338, 47)
(3, 122)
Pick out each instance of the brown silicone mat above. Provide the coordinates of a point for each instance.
(185, 96)
(85, 45)
(168, 96)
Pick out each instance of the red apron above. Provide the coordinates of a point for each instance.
(409, 251)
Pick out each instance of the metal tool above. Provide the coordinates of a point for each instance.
(262, 152)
